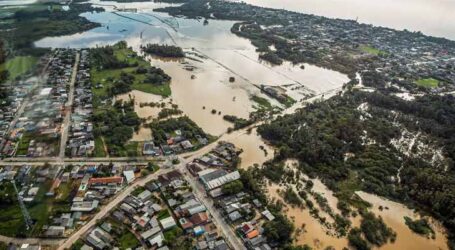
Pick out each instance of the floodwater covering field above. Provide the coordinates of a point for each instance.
(200, 83)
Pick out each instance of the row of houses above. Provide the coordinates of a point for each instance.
(161, 215)
(216, 171)
(175, 144)
(36, 132)
(81, 141)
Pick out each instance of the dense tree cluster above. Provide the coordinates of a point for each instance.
(237, 121)
(329, 137)
(279, 230)
(116, 124)
(104, 57)
(420, 226)
(31, 24)
(232, 187)
(375, 230)
(163, 50)
(162, 129)
(122, 85)
(156, 76)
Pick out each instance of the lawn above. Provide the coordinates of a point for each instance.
(99, 147)
(19, 65)
(163, 214)
(370, 50)
(131, 149)
(102, 76)
(128, 240)
(22, 148)
(128, 55)
(427, 83)
(12, 221)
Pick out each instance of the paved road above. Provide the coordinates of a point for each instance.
(199, 191)
(107, 208)
(226, 229)
(31, 241)
(68, 107)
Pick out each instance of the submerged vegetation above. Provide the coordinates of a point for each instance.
(420, 226)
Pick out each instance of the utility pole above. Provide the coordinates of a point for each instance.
(27, 218)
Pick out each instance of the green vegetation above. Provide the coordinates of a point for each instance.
(118, 69)
(261, 101)
(22, 148)
(19, 65)
(128, 241)
(116, 125)
(99, 147)
(279, 230)
(11, 220)
(77, 245)
(163, 50)
(163, 214)
(138, 190)
(334, 128)
(232, 187)
(375, 230)
(291, 197)
(166, 112)
(173, 234)
(371, 50)
(427, 83)
(237, 121)
(355, 240)
(271, 57)
(420, 226)
(189, 129)
(35, 21)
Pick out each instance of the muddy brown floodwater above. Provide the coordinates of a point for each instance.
(201, 80)
(394, 218)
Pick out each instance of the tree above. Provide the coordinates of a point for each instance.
(233, 187)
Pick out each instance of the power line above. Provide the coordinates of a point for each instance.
(28, 220)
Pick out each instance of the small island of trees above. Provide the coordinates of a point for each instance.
(163, 50)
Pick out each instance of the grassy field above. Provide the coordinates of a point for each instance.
(102, 76)
(427, 83)
(99, 148)
(11, 220)
(24, 142)
(19, 65)
(128, 240)
(370, 50)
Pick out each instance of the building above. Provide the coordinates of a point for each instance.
(167, 223)
(212, 178)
